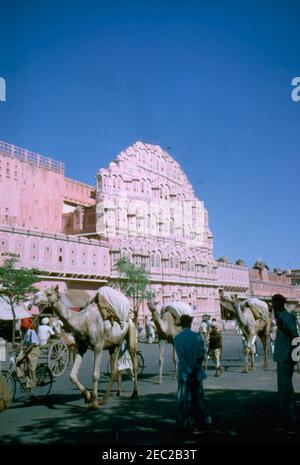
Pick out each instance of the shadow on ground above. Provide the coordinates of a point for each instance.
(239, 417)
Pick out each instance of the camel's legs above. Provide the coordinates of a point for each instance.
(74, 376)
(161, 344)
(132, 352)
(114, 374)
(119, 385)
(98, 350)
(266, 354)
(132, 348)
(264, 337)
(175, 360)
(246, 367)
(206, 360)
(252, 360)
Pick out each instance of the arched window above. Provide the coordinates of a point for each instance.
(149, 222)
(34, 250)
(167, 192)
(3, 244)
(193, 264)
(172, 226)
(73, 257)
(129, 255)
(172, 261)
(160, 228)
(177, 261)
(157, 260)
(60, 252)
(152, 260)
(188, 267)
(47, 252)
(148, 186)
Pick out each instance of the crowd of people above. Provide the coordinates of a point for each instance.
(193, 348)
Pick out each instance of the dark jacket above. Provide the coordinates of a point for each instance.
(215, 339)
(286, 331)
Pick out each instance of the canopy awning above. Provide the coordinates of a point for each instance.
(7, 314)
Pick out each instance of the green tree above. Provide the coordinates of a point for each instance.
(134, 282)
(16, 284)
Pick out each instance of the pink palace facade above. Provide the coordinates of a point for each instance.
(142, 207)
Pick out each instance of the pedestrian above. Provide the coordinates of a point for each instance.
(215, 348)
(286, 332)
(25, 325)
(44, 331)
(150, 330)
(208, 323)
(124, 365)
(192, 411)
(140, 331)
(273, 330)
(29, 353)
(213, 324)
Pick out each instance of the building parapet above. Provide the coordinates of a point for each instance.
(81, 184)
(10, 150)
(63, 237)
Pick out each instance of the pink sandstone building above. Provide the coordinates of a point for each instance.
(142, 207)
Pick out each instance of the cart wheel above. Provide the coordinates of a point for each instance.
(58, 358)
(44, 380)
(11, 382)
(141, 363)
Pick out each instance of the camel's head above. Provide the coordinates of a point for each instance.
(47, 297)
(151, 306)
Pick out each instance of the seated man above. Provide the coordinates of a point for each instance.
(30, 354)
(44, 331)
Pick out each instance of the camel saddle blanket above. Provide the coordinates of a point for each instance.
(177, 309)
(112, 304)
(259, 308)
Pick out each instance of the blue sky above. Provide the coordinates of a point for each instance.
(210, 79)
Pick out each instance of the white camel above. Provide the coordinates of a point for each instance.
(92, 330)
(168, 326)
(253, 318)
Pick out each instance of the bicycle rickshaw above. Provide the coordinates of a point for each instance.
(52, 363)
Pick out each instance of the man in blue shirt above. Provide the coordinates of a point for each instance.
(192, 412)
(286, 331)
(29, 353)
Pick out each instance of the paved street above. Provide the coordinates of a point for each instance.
(243, 406)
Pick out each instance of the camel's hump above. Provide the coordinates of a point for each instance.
(177, 309)
(259, 305)
(118, 301)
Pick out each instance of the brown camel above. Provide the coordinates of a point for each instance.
(253, 318)
(91, 330)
